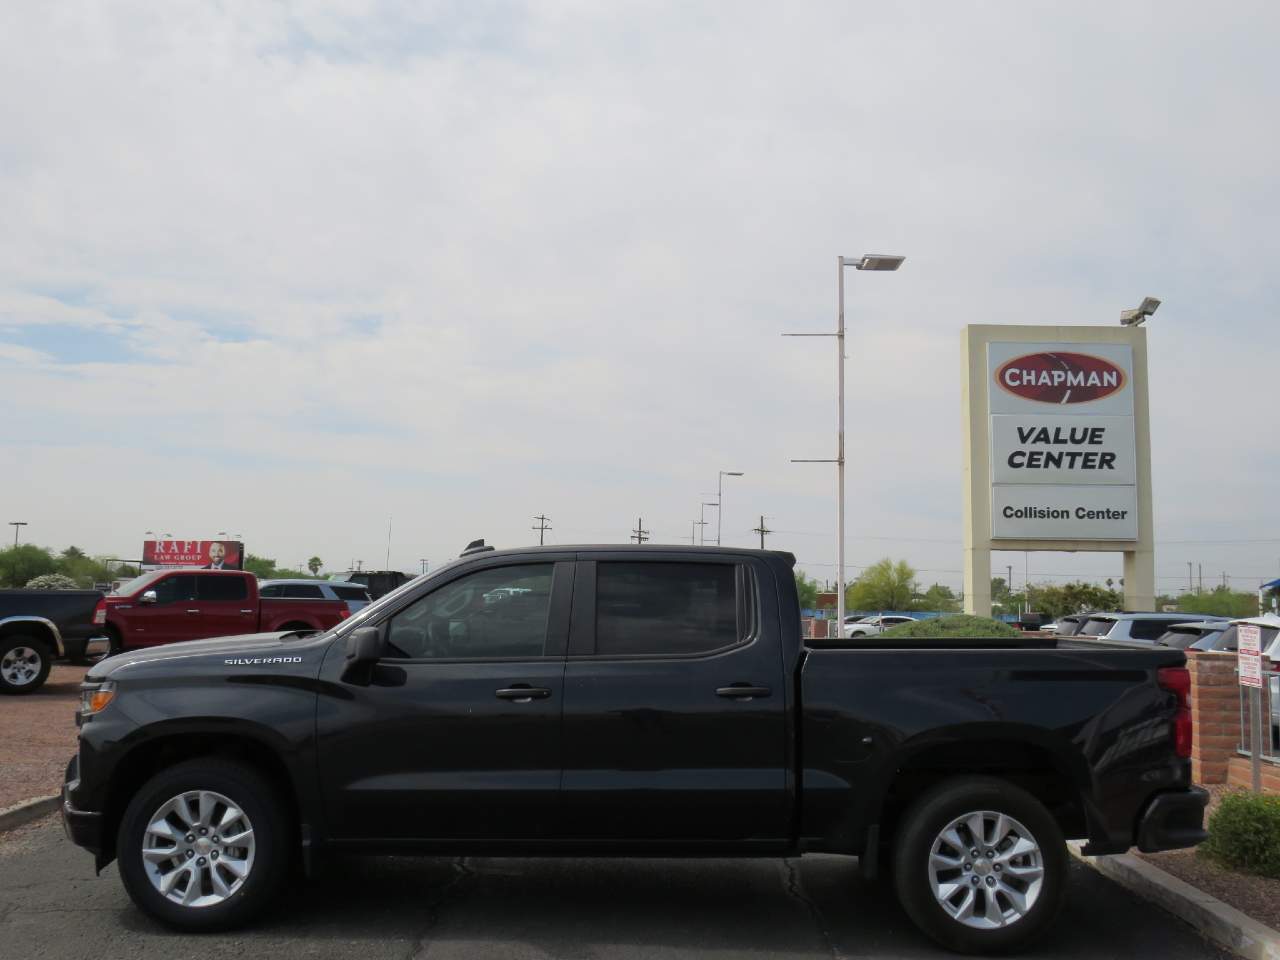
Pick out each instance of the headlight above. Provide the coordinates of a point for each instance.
(94, 697)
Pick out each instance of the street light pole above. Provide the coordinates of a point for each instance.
(870, 261)
(702, 521)
(17, 525)
(720, 499)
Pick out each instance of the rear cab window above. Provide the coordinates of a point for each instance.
(666, 609)
(1097, 627)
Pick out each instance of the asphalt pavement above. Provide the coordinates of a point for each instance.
(52, 906)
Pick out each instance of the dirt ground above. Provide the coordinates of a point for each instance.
(38, 736)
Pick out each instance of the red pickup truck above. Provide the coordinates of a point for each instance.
(166, 606)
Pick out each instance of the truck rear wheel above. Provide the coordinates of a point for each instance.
(980, 865)
(25, 663)
(204, 845)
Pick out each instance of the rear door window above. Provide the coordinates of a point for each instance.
(351, 593)
(223, 588)
(1095, 627)
(302, 591)
(666, 609)
(1147, 629)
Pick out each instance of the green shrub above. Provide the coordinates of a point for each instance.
(52, 581)
(1244, 833)
(956, 625)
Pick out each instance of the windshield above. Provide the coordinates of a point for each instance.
(1097, 627)
(137, 583)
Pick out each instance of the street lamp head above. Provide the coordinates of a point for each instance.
(733, 473)
(1134, 317)
(875, 261)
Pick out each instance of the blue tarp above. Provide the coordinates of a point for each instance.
(1272, 584)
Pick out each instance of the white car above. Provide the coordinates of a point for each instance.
(873, 625)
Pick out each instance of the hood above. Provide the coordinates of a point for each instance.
(245, 645)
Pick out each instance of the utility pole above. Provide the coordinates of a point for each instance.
(17, 525)
(1008, 584)
(359, 565)
(693, 533)
(762, 530)
(388, 566)
(542, 527)
(639, 534)
(1200, 575)
(720, 499)
(1191, 584)
(423, 561)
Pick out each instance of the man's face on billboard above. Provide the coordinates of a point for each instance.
(217, 552)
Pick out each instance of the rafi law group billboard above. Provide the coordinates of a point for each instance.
(1063, 455)
(209, 554)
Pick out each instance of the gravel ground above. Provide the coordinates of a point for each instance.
(40, 736)
(1259, 897)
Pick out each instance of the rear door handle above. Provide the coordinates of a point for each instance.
(742, 691)
(246, 611)
(194, 611)
(522, 693)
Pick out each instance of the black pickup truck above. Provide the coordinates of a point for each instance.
(647, 700)
(40, 626)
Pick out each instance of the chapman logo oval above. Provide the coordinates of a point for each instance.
(1060, 377)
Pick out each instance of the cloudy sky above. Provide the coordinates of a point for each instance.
(290, 270)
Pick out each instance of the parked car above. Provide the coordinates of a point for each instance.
(1070, 625)
(354, 595)
(1227, 640)
(166, 606)
(378, 582)
(874, 625)
(40, 626)
(1133, 627)
(1184, 636)
(645, 701)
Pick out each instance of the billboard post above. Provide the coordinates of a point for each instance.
(1057, 450)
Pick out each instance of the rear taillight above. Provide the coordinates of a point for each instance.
(1177, 680)
(100, 612)
(344, 613)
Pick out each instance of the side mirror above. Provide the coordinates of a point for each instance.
(364, 649)
(148, 596)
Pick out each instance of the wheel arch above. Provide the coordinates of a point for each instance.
(41, 628)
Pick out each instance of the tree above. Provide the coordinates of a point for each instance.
(885, 585)
(807, 588)
(1220, 602)
(938, 598)
(1058, 601)
(314, 565)
(264, 568)
(25, 562)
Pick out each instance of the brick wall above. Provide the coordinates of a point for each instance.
(1215, 715)
(1240, 774)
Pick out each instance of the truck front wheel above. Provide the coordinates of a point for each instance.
(24, 663)
(980, 865)
(204, 845)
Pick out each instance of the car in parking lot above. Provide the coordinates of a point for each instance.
(1133, 627)
(1197, 634)
(874, 625)
(355, 595)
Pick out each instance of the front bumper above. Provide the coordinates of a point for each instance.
(1173, 821)
(82, 827)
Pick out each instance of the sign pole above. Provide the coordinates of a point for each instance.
(1249, 667)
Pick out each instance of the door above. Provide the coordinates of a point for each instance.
(675, 723)
(174, 616)
(226, 609)
(458, 735)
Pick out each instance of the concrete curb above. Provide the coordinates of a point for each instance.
(1217, 921)
(29, 810)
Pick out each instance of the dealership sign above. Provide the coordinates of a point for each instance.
(1063, 455)
(210, 554)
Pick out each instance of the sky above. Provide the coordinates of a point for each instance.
(301, 272)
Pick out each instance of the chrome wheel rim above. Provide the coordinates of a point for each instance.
(986, 870)
(20, 666)
(198, 849)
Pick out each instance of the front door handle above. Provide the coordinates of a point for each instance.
(195, 612)
(246, 611)
(522, 693)
(742, 691)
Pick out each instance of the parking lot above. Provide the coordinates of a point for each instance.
(52, 906)
(40, 737)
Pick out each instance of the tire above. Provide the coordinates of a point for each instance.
(1017, 895)
(261, 857)
(25, 662)
(115, 644)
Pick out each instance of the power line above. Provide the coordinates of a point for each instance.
(542, 527)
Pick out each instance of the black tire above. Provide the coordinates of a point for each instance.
(115, 644)
(913, 878)
(25, 662)
(273, 843)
